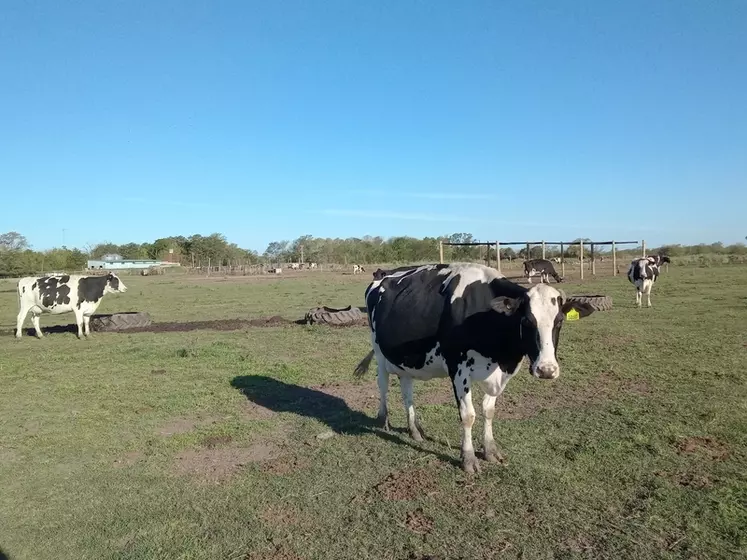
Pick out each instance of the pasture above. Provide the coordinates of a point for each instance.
(258, 442)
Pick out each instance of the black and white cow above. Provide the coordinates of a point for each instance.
(642, 273)
(543, 267)
(466, 322)
(358, 269)
(62, 294)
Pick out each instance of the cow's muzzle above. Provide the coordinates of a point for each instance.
(546, 371)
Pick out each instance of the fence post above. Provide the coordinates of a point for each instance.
(614, 260)
(593, 261)
(498, 255)
(643, 245)
(562, 259)
(581, 256)
(543, 249)
(529, 252)
(441, 250)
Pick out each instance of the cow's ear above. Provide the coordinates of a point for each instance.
(582, 308)
(505, 305)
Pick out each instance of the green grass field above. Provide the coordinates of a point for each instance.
(204, 444)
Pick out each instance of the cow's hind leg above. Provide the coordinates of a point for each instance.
(37, 326)
(406, 388)
(382, 378)
(19, 321)
(461, 382)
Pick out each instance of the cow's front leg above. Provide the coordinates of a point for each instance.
(87, 324)
(492, 454)
(461, 383)
(79, 322)
(406, 388)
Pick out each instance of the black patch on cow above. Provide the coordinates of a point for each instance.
(113, 281)
(91, 289)
(33, 286)
(52, 291)
(470, 362)
(65, 279)
(23, 289)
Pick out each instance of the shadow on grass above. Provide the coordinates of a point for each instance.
(3, 556)
(333, 411)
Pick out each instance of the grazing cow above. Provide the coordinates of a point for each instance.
(312, 265)
(358, 269)
(295, 266)
(61, 294)
(543, 267)
(658, 260)
(556, 260)
(466, 322)
(642, 274)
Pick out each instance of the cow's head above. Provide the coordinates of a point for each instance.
(541, 312)
(379, 274)
(114, 284)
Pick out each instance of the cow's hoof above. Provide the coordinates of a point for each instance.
(416, 435)
(470, 464)
(383, 421)
(492, 455)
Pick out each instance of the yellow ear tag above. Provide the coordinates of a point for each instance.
(572, 315)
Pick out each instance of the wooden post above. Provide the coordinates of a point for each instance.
(581, 256)
(529, 252)
(643, 244)
(441, 250)
(593, 261)
(562, 259)
(498, 255)
(543, 249)
(614, 259)
(208, 266)
(487, 250)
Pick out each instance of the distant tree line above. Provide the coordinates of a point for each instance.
(17, 257)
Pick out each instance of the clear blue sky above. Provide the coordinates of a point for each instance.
(128, 121)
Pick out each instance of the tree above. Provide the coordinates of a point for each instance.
(13, 241)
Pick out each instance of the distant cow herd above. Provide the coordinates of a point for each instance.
(461, 321)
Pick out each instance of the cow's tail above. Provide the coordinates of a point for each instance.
(361, 369)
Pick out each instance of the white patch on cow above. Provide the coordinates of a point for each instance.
(468, 273)
(545, 311)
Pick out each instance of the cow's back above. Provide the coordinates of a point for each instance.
(406, 310)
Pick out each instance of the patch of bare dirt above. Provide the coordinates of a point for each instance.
(177, 426)
(408, 484)
(9, 456)
(279, 552)
(418, 522)
(216, 441)
(219, 464)
(253, 411)
(579, 544)
(358, 396)
(129, 459)
(708, 446)
(693, 480)
(285, 465)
